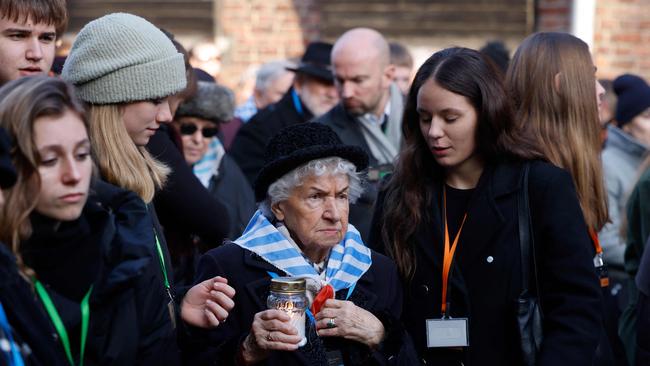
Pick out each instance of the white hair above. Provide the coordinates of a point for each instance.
(270, 72)
(282, 188)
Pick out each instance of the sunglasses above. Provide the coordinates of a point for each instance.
(190, 129)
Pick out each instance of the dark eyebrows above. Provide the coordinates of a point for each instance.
(346, 188)
(452, 110)
(27, 32)
(446, 110)
(17, 30)
(318, 190)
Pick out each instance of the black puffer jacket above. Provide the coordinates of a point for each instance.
(108, 247)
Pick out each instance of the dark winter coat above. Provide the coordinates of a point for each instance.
(485, 277)
(378, 291)
(188, 219)
(129, 319)
(31, 328)
(347, 128)
(231, 187)
(643, 310)
(249, 147)
(184, 206)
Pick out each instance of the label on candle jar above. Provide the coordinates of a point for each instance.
(288, 295)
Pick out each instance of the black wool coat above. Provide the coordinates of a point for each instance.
(184, 206)
(378, 291)
(231, 187)
(485, 278)
(249, 147)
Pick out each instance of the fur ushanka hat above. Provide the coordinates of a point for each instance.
(211, 102)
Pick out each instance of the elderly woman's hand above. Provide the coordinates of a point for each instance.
(339, 318)
(271, 330)
(207, 304)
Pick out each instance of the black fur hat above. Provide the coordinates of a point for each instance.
(298, 144)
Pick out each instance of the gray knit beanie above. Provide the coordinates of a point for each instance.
(122, 58)
(211, 102)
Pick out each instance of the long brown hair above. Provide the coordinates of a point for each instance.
(465, 72)
(22, 102)
(551, 80)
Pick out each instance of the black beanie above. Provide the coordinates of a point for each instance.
(7, 172)
(633, 95)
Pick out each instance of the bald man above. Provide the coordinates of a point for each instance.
(369, 113)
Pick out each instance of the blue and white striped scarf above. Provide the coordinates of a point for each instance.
(208, 166)
(348, 260)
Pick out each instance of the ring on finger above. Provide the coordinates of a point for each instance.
(268, 337)
(331, 323)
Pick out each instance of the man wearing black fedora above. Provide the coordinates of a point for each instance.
(311, 95)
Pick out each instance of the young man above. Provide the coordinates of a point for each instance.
(28, 32)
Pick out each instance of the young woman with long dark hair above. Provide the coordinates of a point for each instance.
(449, 218)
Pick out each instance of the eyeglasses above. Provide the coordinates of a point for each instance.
(190, 129)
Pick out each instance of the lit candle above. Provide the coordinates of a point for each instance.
(288, 295)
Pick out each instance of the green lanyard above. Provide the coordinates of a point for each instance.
(163, 266)
(58, 323)
(162, 262)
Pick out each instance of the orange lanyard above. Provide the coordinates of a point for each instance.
(449, 252)
(595, 240)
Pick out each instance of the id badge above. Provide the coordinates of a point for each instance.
(447, 333)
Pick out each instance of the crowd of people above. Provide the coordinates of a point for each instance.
(483, 211)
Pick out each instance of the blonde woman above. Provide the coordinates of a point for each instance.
(552, 81)
(126, 69)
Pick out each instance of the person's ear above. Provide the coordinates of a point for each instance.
(277, 210)
(389, 73)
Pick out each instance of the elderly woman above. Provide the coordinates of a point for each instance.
(198, 121)
(302, 230)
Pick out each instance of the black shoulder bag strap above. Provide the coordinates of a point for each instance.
(529, 312)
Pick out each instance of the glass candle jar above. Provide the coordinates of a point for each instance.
(288, 295)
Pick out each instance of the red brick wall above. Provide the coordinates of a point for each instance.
(622, 37)
(259, 31)
(264, 30)
(554, 15)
